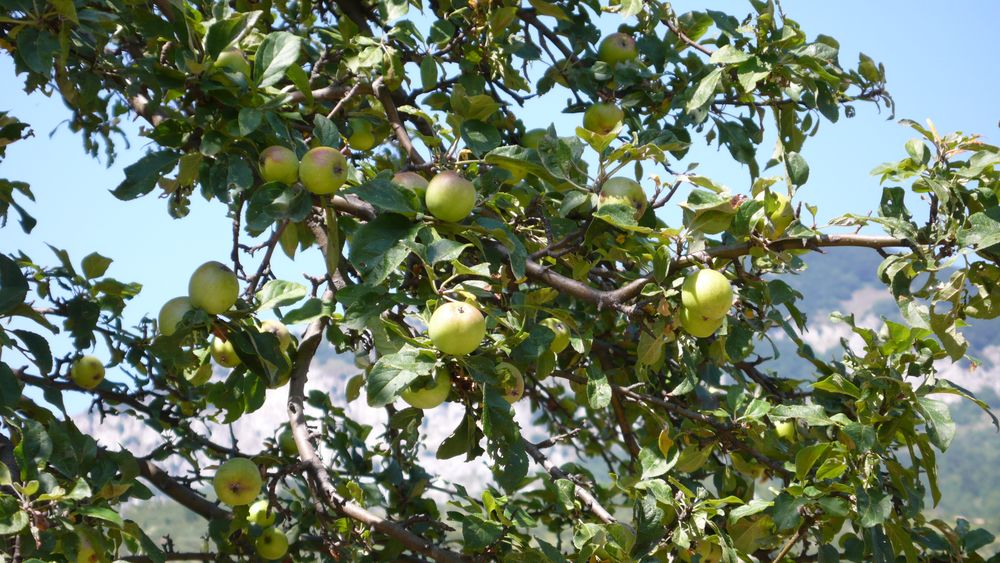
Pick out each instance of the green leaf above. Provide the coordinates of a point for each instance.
(652, 463)
(983, 230)
(280, 293)
(249, 120)
(598, 389)
(480, 137)
(381, 192)
(393, 372)
(837, 384)
(102, 513)
(728, 55)
(223, 33)
(94, 265)
(705, 91)
(428, 73)
(798, 168)
(38, 348)
(940, 427)
(380, 246)
(807, 457)
(814, 415)
(477, 533)
(141, 177)
(785, 511)
(13, 285)
(13, 523)
(278, 51)
(874, 506)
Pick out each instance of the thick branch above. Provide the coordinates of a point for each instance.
(396, 123)
(296, 415)
(183, 495)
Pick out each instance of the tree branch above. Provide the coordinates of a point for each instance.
(184, 496)
(396, 123)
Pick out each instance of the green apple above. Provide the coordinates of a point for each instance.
(323, 170)
(232, 59)
(602, 118)
(617, 48)
(362, 136)
(456, 329)
(511, 381)
(785, 430)
(450, 197)
(213, 288)
(412, 181)
(224, 353)
(237, 482)
(283, 377)
(781, 214)
(561, 339)
(87, 372)
(272, 544)
(199, 376)
(708, 552)
(665, 442)
(286, 443)
(171, 314)
(261, 514)
(429, 393)
(697, 325)
(558, 72)
(707, 293)
(279, 164)
(279, 330)
(623, 191)
(532, 138)
(86, 554)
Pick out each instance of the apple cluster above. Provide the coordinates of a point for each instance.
(237, 482)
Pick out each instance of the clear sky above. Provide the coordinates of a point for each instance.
(941, 61)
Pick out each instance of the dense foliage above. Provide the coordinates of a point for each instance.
(705, 454)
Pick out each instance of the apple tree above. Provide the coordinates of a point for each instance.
(471, 258)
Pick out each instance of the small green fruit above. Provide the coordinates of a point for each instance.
(232, 59)
(237, 482)
(450, 197)
(602, 118)
(224, 353)
(432, 393)
(213, 288)
(617, 48)
(323, 170)
(171, 314)
(279, 330)
(279, 164)
(272, 544)
(623, 191)
(707, 293)
(511, 381)
(561, 339)
(532, 138)
(785, 430)
(87, 372)
(697, 325)
(412, 181)
(199, 376)
(457, 329)
(781, 214)
(362, 136)
(286, 443)
(261, 513)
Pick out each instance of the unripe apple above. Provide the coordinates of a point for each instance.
(707, 293)
(602, 118)
(511, 381)
(617, 48)
(279, 330)
(450, 197)
(87, 372)
(412, 181)
(532, 138)
(272, 544)
(697, 325)
(709, 552)
(232, 58)
(199, 376)
(237, 482)
(558, 72)
(362, 136)
(456, 328)
(286, 443)
(171, 314)
(261, 513)
(623, 191)
(432, 393)
(323, 170)
(785, 429)
(279, 164)
(561, 339)
(781, 215)
(86, 554)
(224, 353)
(280, 379)
(213, 288)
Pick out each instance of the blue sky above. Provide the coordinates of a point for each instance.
(941, 63)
